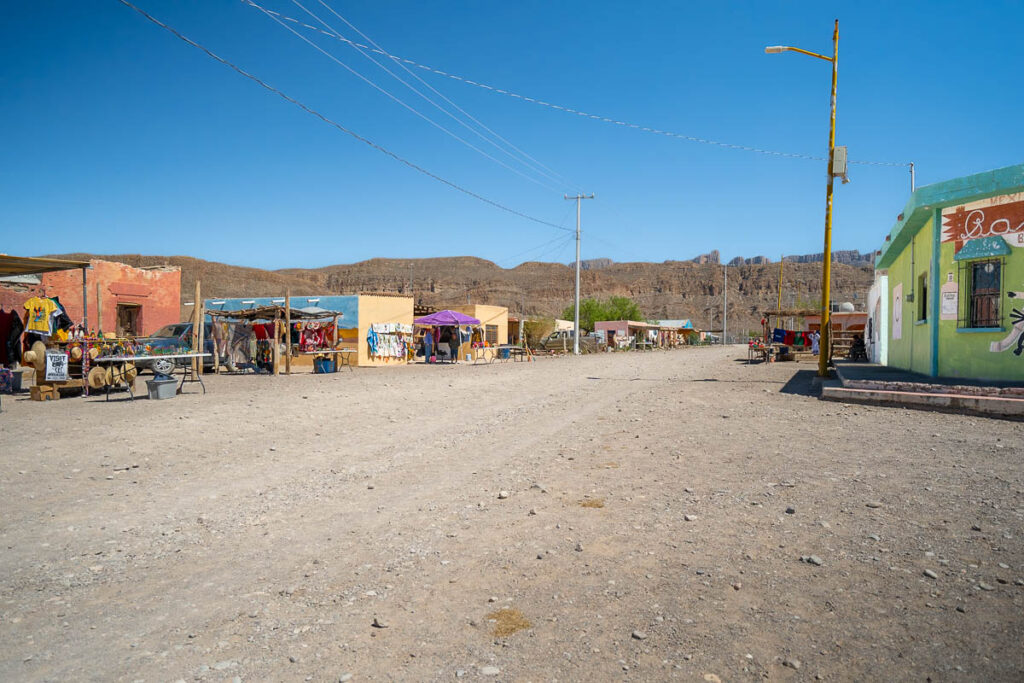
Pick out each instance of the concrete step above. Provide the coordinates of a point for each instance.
(981, 405)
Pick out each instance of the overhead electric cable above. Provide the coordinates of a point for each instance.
(526, 159)
(508, 261)
(595, 117)
(399, 100)
(335, 124)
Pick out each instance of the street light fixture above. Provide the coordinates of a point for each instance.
(826, 268)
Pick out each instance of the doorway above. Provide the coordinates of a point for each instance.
(128, 320)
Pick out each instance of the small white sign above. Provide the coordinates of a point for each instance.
(56, 366)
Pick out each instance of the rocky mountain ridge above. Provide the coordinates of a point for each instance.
(674, 289)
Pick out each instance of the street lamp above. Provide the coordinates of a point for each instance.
(826, 268)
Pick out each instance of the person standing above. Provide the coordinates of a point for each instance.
(428, 346)
(814, 342)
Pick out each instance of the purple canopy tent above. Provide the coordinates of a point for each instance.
(446, 319)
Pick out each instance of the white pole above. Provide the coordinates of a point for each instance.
(576, 315)
(913, 180)
(725, 306)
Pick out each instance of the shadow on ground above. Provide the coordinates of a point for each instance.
(802, 384)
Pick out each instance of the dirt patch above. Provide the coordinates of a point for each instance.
(608, 466)
(271, 520)
(508, 620)
(592, 503)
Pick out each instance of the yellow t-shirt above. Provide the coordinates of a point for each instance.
(39, 312)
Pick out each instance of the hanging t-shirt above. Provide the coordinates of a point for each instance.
(39, 312)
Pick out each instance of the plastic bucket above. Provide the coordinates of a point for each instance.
(161, 388)
(323, 366)
(503, 353)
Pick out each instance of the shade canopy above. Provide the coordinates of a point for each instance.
(272, 312)
(447, 318)
(25, 265)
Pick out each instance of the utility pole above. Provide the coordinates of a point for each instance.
(913, 180)
(725, 306)
(576, 315)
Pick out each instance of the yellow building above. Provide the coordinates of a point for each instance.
(493, 320)
(378, 309)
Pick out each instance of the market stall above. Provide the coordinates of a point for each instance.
(444, 335)
(779, 341)
(262, 337)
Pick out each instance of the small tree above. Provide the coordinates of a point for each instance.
(591, 311)
(535, 330)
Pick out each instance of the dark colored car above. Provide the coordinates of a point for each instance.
(175, 337)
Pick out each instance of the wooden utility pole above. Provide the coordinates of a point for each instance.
(288, 331)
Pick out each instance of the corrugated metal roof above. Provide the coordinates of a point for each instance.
(26, 265)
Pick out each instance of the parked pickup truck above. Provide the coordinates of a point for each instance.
(561, 340)
(174, 337)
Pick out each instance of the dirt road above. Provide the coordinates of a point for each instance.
(625, 516)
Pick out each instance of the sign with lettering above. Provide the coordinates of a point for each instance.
(994, 217)
(949, 300)
(56, 366)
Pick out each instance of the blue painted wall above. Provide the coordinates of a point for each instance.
(347, 305)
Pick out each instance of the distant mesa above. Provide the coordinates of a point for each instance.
(752, 261)
(711, 257)
(851, 257)
(596, 264)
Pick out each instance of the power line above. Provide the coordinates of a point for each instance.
(561, 238)
(337, 125)
(397, 99)
(569, 110)
(542, 170)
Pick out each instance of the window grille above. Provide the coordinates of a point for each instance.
(980, 287)
(491, 334)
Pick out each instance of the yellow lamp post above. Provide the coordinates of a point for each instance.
(826, 269)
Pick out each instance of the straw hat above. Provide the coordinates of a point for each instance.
(76, 353)
(94, 353)
(108, 375)
(97, 378)
(36, 356)
(130, 372)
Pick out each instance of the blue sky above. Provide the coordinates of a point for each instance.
(118, 137)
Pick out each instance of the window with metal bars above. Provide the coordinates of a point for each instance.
(491, 334)
(980, 287)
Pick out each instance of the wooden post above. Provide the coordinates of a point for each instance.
(201, 324)
(99, 311)
(277, 344)
(288, 331)
(197, 329)
(334, 338)
(85, 300)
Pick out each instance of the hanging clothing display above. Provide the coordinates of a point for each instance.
(37, 319)
(389, 340)
(11, 328)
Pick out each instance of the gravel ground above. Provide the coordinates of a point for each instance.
(648, 516)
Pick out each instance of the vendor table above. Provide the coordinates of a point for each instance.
(514, 353)
(187, 374)
(763, 353)
(343, 357)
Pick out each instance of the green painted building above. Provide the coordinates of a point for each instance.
(953, 274)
